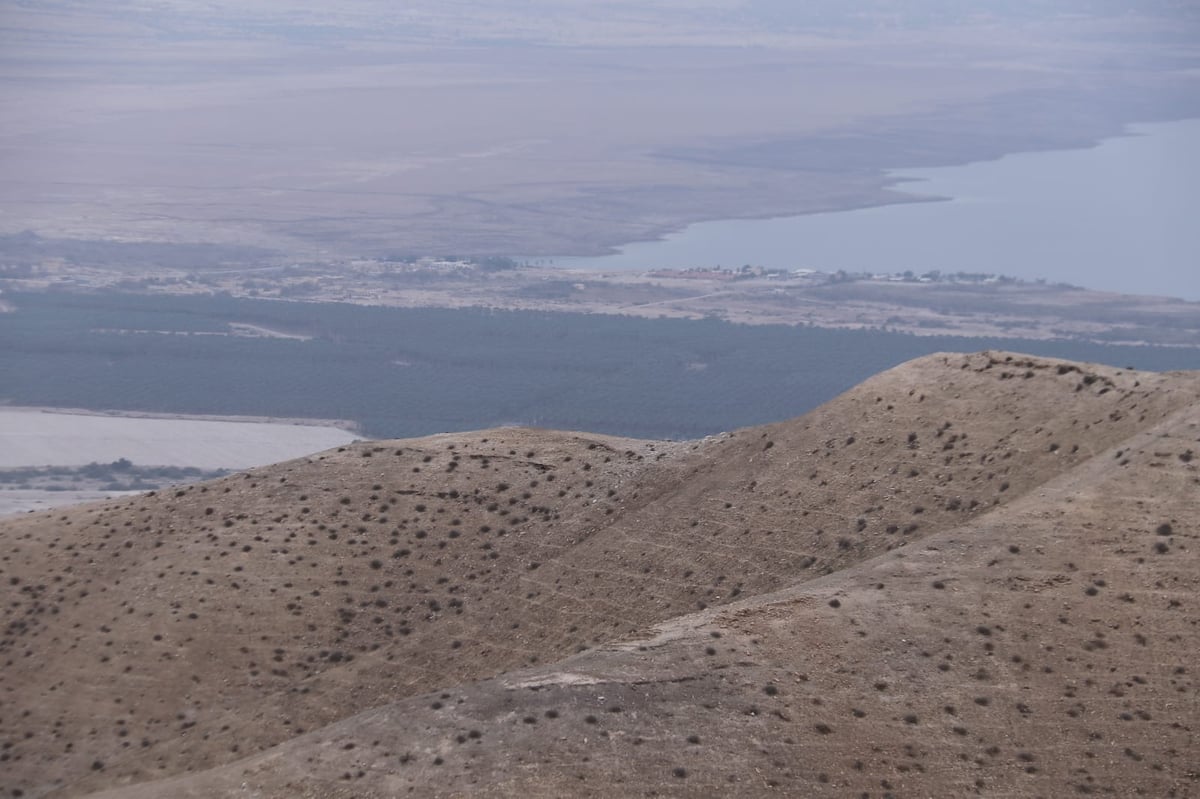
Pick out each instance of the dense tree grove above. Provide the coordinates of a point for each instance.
(408, 372)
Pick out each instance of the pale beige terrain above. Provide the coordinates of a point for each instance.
(969, 575)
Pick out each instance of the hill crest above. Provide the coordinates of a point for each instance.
(174, 634)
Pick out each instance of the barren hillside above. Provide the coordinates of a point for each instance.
(969, 574)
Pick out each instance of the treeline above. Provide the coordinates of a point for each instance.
(407, 372)
(119, 475)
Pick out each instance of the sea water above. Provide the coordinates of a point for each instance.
(1121, 216)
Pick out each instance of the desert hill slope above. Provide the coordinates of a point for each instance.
(982, 522)
(1044, 649)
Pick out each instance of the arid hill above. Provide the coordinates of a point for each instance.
(971, 574)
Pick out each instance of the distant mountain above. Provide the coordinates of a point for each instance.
(969, 574)
(542, 21)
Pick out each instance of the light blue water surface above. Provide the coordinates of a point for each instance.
(1121, 216)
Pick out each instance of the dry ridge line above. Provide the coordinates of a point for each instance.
(969, 575)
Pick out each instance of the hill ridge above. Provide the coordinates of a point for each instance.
(616, 685)
(268, 585)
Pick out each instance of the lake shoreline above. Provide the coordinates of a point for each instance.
(1060, 224)
(345, 425)
(886, 191)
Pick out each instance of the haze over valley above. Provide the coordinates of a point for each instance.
(542, 130)
(553, 399)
